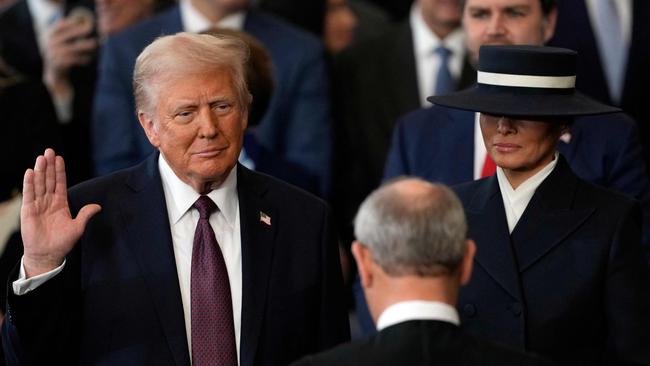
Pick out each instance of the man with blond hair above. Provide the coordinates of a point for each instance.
(186, 257)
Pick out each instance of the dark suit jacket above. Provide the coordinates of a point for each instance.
(421, 342)
(574, 31)
(19, 48)
(376, 83)
(437, 144)
(296, 125)
(117, 301)
(569, 283)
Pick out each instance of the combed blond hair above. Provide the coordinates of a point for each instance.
(188, 53)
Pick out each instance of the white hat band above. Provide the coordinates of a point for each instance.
(526, 81)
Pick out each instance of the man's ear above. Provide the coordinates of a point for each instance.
(465, 270)
(548, 23)
(363, 257)
(147, 123)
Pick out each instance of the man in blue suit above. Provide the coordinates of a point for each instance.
(579, 28)
(186, 257)
(296, 126)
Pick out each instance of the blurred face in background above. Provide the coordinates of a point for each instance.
(340, 25)
(115, 15)
(506, 22)
(442, 16)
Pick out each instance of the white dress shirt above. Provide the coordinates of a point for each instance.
(417, 310)
(195, 22)
(515, 201)
(479, 147)
(427, 61)
(183, 218)
(624, 8)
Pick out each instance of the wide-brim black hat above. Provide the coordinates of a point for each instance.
(525, 81)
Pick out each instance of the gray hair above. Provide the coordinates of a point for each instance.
(413, 227)
(185, 53)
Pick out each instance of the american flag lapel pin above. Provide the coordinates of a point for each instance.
(265, 218)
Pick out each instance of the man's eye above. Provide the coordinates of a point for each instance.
(183, 116)
(222, 107)
(514, 13)
(479, 14)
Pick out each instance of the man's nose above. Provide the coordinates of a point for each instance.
(208, 123)
(496, 26)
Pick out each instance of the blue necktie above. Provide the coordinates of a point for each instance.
(444, 82)
(612, 47)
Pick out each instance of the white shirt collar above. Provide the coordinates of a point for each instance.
(515, 201)
(427, 61)
(417, 310)
(195, 22)
(425, 41)
(182, 196)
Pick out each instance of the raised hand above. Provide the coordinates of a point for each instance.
(48, 230)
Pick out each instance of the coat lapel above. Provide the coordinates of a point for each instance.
(259, 221)
(549, 217)
(147, 226)
(489, 228)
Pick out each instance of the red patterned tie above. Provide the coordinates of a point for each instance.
(213, 330)
(488, 167)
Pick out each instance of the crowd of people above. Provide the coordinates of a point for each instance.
(176, 126)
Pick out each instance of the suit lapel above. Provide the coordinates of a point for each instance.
(549, 217)
(489, 228)
(467, 75)
(147, 226)
(259, 221)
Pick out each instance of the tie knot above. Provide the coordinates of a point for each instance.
(205, 206)
(443, 52)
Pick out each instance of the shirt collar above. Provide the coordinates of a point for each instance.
(180, 196)
(417, 310)
(425, 41)
(195, 22)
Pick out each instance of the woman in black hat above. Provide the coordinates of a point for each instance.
(559, 266)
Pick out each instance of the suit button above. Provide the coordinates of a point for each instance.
(515, 307)
(469, 310)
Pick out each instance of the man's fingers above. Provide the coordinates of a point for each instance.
(50, 175)
(66, 31)
(59, 168)
(28, 187)
(86, 213)
(39, 176)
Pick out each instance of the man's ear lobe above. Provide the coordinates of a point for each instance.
(364, 263)
(149, 127)
(465, 270)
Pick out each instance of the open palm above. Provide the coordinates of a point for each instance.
(48, 230)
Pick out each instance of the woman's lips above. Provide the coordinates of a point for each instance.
(505, 147)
